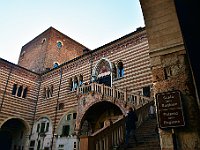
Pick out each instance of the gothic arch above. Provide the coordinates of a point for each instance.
(102, 68)
(65, 114)
(45, 116)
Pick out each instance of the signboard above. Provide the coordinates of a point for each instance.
(170, 112)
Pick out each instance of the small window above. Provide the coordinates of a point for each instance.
(59, 44)
(74, 115)
(38, 127)
(61, 106)
(80, 80)
(75, 83)
(48, 92)
(65, 131)
(14, 89)
(70, 84)
(19, 92)
(42, 127)
(114, 71)
(44, 40)
(47, 127)
(146, 91)
(120, 70)
(24, 93)
(69, 116)
(167, 72)
(51, 91)
(44, 93)
(75, 145)
(55, 65)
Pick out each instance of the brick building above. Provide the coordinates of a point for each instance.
(44, 104)
(67, 90)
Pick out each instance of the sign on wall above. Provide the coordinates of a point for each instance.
(170, 111)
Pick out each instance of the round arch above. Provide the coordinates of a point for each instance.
(98, 115)
(14, 131)
(27, 126)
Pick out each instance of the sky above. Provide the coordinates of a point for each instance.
(92, 23)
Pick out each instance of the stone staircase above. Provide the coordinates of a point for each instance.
(148, 138)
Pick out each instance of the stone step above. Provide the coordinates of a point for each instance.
(148, 138)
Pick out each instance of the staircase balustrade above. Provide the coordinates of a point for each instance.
(106, 138)
(110, 137)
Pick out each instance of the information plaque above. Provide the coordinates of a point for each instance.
(170, 112)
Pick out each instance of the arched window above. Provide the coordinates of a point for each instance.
(51, 91)
(120, 70)
(114, 71)
(55, 65)
(45, 93)
(75, 85)
(19, 92)
(59, 44)
(42, 125)
(48, 92)
(80, 80)
(24, 93)
(70, 84)
(14, 90)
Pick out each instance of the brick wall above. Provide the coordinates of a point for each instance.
(42, 52)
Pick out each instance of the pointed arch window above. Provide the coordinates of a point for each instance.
(43, 125)
(80, 80)
(75, 83)
(120, 70)
(114, 71)
(48, 92)
(24, 92)
(14, 89)
(70, 84)
(19, 91)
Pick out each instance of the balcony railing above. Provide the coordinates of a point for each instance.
(113, 93)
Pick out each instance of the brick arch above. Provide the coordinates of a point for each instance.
(82, 115)
(27, 126)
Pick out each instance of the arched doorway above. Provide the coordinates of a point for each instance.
(98, 116)
(103, 72)
(12, 134)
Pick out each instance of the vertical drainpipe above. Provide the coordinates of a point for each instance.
(40, 81)
(56, 109)
(4, 93)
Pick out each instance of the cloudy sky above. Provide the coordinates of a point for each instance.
(92, 23)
